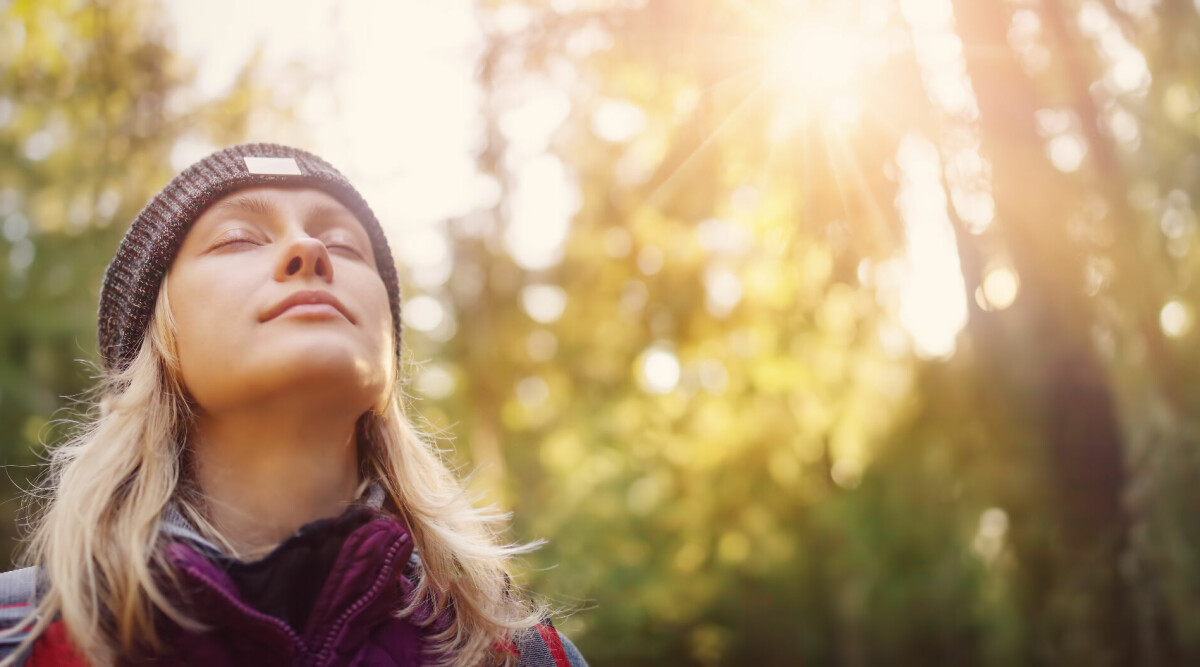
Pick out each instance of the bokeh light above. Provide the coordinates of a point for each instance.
(872, 313)
(1175, 318)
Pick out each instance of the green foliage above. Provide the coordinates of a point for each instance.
(92, 101)
(831, 499)
(726, 434)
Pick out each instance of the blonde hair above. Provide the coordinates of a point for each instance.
(98, 542)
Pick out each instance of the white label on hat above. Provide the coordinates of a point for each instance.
(272, 165)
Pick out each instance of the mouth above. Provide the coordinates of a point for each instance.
(317, 304)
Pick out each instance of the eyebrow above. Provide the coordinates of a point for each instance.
(257, 205)
(325, 210)
(247, 203)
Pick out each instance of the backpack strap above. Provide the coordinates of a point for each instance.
(544, 646)
(554, 643)
(54, 649)
(18, 594)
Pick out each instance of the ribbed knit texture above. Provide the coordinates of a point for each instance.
(132, 281)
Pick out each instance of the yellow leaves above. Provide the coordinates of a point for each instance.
(48, 210)
(646, 493)
(837, 314)
(626, 419)
(848, 440)
(12, 39)
(709, 643)
(606, 364)
(771, 282)
(116, 104)
(670, 407)
(631, 553)
(772, 376)
(670, 235)
(43, 33)
(1181, 102)
(644, 153)
(812, 413)
(637, 83)
(33, 428)
(784, 467)
(776, 550)
(714, 418)
(536, 400)
(733, 548)
(683, 454)
(701, 454)
(562, 451)
(816, 264)
(690, 557)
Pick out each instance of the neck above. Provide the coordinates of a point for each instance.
(265, 473)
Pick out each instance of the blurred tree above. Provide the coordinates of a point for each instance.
(704, 338)
(92, 102)
(693, 390)
(1050, 362)
(706, 395)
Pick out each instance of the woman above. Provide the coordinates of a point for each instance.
(248, 490)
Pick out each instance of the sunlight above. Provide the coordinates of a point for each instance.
(999, 288)
(817, 63)
(544, 200)
(1176, 319)
(544, 303)
(435, 382)
(659, 372)
(395, 110)
(816, 57)
(423, 313)
(933, 306)
(927, 14)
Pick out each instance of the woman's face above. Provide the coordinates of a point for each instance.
(276, 290)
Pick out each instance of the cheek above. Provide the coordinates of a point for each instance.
(185, 317)
(381, 331)
(386, 337)
(203, 335)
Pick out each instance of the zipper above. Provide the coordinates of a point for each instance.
(384, 576)
(267, 619)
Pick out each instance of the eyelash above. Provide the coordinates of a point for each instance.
(340, 243)
(232, 238)
(343, 244)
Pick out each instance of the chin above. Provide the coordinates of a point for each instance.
(327, 365)
(316, 368)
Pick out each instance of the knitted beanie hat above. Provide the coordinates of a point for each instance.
(132, 281)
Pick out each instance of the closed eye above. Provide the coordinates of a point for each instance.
(344, 245)
(233, 237)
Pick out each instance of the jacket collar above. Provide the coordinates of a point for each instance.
(176, 526)
(362, 589)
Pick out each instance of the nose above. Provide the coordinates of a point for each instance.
(305, 257)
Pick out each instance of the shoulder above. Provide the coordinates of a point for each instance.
(18, 594)
(544, 646)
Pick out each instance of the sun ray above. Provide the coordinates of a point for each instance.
(878, 218)
(884, 121)
(755, 68)
(663, 187)
(806, 173)
(764, 180)
(833, 170)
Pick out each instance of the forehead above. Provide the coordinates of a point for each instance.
(272, 201)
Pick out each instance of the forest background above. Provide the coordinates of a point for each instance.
(827, 333)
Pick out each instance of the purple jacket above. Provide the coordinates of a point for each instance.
(325, 596)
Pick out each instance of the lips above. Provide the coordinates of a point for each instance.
(307, 298)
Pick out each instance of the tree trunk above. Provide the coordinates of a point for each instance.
(1044, 349)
